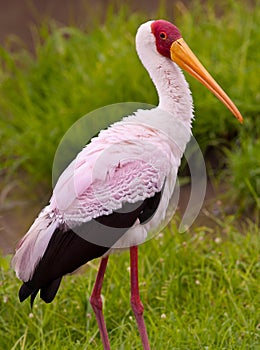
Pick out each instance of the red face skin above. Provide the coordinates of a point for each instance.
(165, 34)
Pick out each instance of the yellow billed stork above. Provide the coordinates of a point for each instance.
(102, 203)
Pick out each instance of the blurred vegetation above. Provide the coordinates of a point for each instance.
(75, 71)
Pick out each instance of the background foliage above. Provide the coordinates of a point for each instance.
(75, 71)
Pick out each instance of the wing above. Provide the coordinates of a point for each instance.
(68, 250)
(121, 166)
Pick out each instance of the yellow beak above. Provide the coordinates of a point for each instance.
(185, 58)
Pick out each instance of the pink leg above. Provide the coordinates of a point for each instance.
(136, 303)
(96, 303)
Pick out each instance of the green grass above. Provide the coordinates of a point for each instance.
(75, 71)
(200, 291)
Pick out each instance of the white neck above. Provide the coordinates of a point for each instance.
(173, 90)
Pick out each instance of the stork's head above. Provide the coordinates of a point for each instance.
(164, 39)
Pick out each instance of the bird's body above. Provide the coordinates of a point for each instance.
(129, 162)
(117, 189)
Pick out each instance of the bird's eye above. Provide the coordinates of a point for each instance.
(163, 35)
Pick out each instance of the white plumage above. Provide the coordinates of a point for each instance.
(107, 172)
(33, 245)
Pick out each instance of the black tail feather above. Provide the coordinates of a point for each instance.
(24, 292)
(48, 293)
